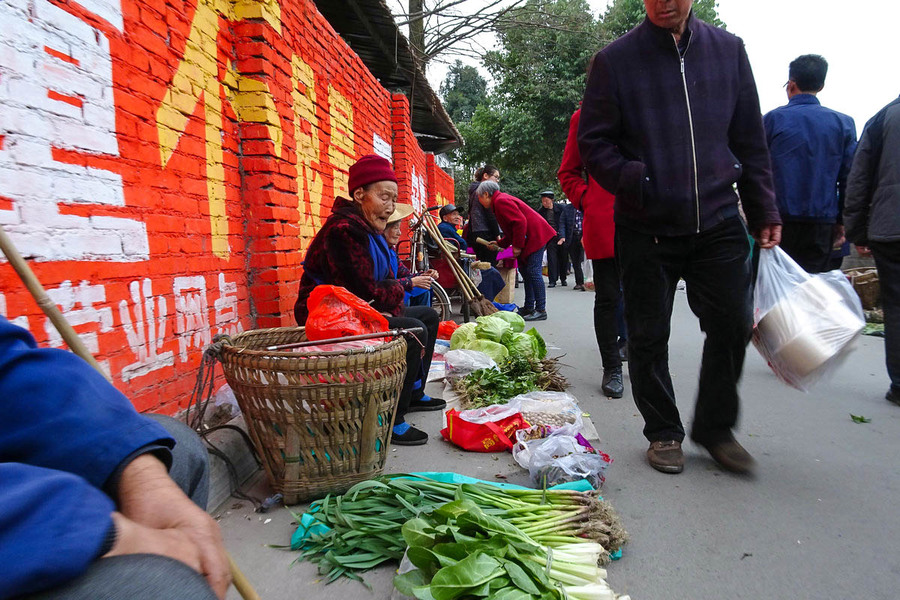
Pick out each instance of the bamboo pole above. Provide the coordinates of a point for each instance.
(241, 584)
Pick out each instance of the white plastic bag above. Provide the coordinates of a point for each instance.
(489, 414)
(804, 325)
(557, 411)
(559, 459)
(462, 362)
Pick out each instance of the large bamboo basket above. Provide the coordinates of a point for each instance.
(321, 422)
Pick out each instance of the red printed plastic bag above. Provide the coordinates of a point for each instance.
(335, 312)
(490, 436)
(446, 329)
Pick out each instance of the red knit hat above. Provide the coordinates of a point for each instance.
(369, 169)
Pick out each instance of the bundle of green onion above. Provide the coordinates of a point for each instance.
(365, 525)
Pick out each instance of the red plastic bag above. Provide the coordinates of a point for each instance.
(446, 329)
(335, 312)
(495, 436)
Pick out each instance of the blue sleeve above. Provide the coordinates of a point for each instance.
(847, 162)
(61, 414)
(449, 231)
(52, 526)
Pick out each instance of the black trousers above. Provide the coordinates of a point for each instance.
(557, 260)
(887, 259)
(607, 296)
(715, 264)
(576, 255)
(809, 244)
(416, 362)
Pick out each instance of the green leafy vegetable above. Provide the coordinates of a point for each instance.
(541, 345)
(516, 322)
(496, 351)
(521, 344)
(491, 328)
(860, 419)
(463, 336)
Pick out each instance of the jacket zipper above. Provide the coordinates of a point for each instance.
(687, 99)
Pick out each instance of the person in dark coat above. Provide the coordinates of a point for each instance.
(872, 219)
(670, 122)
(599, 244)
(557, 247)
(482, 223)
(527, 233)
(350, 251)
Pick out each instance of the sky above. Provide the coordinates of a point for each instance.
(859, 39)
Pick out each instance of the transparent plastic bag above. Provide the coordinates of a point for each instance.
(552, 412)
(560, 459)
(804, 325)
(462, 362)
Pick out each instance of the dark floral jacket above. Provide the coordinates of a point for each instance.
(339, 255)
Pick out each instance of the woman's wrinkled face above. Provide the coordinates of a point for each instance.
(377, 202)
(392, 233)
(485, 200)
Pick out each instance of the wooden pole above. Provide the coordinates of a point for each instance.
(241, 584)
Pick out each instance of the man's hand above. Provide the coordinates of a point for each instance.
(837, 236)
(561, 241)
(769, 236)
(422, 281)
(134, 538)
(516, 251)
(148, 497)
(863, 250)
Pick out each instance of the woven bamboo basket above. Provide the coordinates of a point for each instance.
(321, 422)
(867, 286)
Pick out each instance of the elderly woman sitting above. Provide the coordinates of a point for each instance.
(350, 251)
(527, 232)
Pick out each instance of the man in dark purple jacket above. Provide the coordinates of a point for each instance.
(669, 123)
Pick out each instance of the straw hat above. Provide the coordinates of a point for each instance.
(401, 211)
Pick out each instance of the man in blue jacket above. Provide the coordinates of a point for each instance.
(669, 123)
(812, 149)
(89, 504)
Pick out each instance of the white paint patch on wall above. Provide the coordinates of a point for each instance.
(191, 314)
(145, 328)
(419, 198)
(382, 148)
(56, 93)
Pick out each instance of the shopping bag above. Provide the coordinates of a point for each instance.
(485, 436)
(804, 325)
(335, 312)
(446, 329)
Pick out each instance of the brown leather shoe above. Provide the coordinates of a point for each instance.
(666, 456)
(731, 456)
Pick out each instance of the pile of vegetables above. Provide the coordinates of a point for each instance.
(500, 336)
(517, 375)
(468, 540)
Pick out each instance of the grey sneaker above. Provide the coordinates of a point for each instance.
(666, 456)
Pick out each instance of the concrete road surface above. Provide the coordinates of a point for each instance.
(821, 520)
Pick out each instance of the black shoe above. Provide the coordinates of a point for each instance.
(578, 287)
(524, 312)
(564, 284)
(892, 396)
(538, 315)
(552, 285)
(412, 437)
(426, 404)
(623, 351)
(612, 384)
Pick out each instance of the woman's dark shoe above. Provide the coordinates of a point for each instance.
(410, 437)
(524, 312)
(892, 396)
(578, 287)
(612, 384)
(623, 350)
(538, 315)
(426, 404)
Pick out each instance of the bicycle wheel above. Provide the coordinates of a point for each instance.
(440, 302)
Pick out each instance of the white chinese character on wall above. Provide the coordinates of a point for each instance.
(228, 320)
(145, 328)
(78, 307)
(191, 314)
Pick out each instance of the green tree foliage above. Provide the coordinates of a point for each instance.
(463, 90)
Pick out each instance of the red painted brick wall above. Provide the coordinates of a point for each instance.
(164, 164)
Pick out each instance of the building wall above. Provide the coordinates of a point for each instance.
(165, 163)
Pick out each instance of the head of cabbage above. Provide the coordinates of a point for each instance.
(516, 322)
(496, 351)
(491, 328)
(463, 336)
(521, 344)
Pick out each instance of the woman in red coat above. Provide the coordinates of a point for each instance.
(599, 246)
(527, 232)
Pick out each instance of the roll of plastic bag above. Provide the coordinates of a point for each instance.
(804, 325)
